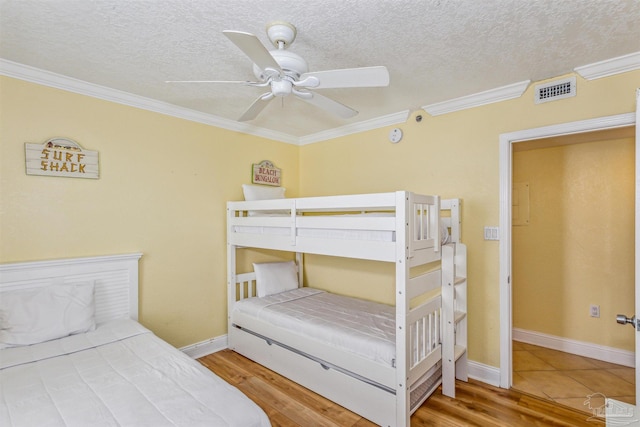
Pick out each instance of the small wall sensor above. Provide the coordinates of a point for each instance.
(395, 135)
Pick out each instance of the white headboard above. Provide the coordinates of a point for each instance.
(115, 278)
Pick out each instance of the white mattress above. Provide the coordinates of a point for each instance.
(120, 374)
(362, 327)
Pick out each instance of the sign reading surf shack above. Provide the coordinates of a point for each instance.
(266, 173)
(61, 157)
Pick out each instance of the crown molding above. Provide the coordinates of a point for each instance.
(35, 75)
(59, 81)
(503, 93)
(610, 67)
(593, 71)
(378, 122)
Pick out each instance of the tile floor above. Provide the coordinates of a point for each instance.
(569, 379)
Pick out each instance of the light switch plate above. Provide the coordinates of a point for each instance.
(491, 233)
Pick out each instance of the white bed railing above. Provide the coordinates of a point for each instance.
(245, 286)
(338, 225)
(424, 332)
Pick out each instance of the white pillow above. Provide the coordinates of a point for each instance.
(275, 277)
(36, 315)
(262, 192)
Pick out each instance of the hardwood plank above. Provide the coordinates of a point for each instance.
(288, 404)
(238, 377)
(363, 422)
(320, 406)
(449, 411)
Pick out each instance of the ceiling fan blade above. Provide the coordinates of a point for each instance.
(246, 82)
(348, 77)
(257, 106)
(330, 105)
(254, 49)
(243, 82)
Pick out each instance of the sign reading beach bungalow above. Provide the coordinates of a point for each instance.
(266, 173)
(61, 157)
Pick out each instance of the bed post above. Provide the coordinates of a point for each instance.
(455, 206)
(231, 276)
(299, 261)
(448, 319)
(403, 209)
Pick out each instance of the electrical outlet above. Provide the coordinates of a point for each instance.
(594, 311)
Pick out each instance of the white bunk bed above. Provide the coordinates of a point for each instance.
(428, 320)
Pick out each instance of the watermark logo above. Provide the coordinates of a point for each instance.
(615, 412)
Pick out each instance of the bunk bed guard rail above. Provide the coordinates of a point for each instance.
(338, 225)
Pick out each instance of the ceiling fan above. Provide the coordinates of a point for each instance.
(284, 73)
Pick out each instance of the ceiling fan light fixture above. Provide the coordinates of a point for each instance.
(281, 87)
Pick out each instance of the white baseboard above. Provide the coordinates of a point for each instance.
(485, 373)
(202, 348)
(580, 348)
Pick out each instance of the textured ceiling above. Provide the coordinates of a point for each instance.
(435, 50)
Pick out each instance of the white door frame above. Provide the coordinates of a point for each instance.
(506, 149)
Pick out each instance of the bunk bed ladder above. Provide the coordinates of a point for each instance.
(454, 317)
(460, 313)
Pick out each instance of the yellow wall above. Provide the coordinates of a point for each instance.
(578, 247)
(454, 155)
(164, 182)
(162, 191)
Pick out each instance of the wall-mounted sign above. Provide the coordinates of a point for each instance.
(61, 157)
(266, 173)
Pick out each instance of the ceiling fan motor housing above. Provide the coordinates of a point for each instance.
(291, 63)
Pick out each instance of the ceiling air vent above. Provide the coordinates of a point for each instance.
(558, 89)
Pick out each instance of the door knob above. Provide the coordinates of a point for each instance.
(623, 320)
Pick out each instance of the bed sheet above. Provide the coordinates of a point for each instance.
(118, 375)
(350, 324)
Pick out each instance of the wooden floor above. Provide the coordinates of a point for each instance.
(476, 404)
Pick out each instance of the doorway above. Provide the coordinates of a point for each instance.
(572, 264)
(506, 150)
